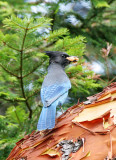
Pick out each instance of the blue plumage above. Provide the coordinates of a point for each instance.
(47, 117)
(54, 89)
(48, 114)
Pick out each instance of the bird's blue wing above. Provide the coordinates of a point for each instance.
(51, 93)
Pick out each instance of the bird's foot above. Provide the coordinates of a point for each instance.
(45, 132)
(61, 109)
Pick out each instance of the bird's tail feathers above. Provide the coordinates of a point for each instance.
(47, 118)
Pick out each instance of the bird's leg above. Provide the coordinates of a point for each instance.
(61, 108)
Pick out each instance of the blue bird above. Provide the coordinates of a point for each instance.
(54, 90)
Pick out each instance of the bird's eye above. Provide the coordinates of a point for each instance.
(63, 56)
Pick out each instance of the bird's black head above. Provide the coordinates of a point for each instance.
(58, 57)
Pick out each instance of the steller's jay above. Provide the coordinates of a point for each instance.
(54, 89)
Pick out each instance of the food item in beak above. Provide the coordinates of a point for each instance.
(73, 58)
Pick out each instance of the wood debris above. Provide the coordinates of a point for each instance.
(93, 122)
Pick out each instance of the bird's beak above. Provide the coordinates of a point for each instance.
(73, 59)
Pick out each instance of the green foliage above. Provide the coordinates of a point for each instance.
(81, 79)
(73, 46)
(100, 3)
(5, 9)
(23, 63)
(54, 36)
(23, 66)
(8, 136)
(16, 115)
(19, 24)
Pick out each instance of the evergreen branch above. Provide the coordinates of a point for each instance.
(96, 12)
(50, 44)
(34, 69)
(32, 44)
(19, 25)
(42, 39)
(18, 118)
(11, 100)
(11, 47)
(35, 49)
(21, 74)
(34, 26)
(31, 71)
(36, 92)
(9, 71)
(86, 22)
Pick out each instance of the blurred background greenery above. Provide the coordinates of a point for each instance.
(28, 28)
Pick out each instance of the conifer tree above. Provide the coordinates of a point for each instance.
(22, 57)
(23, 63)
(23, 67)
